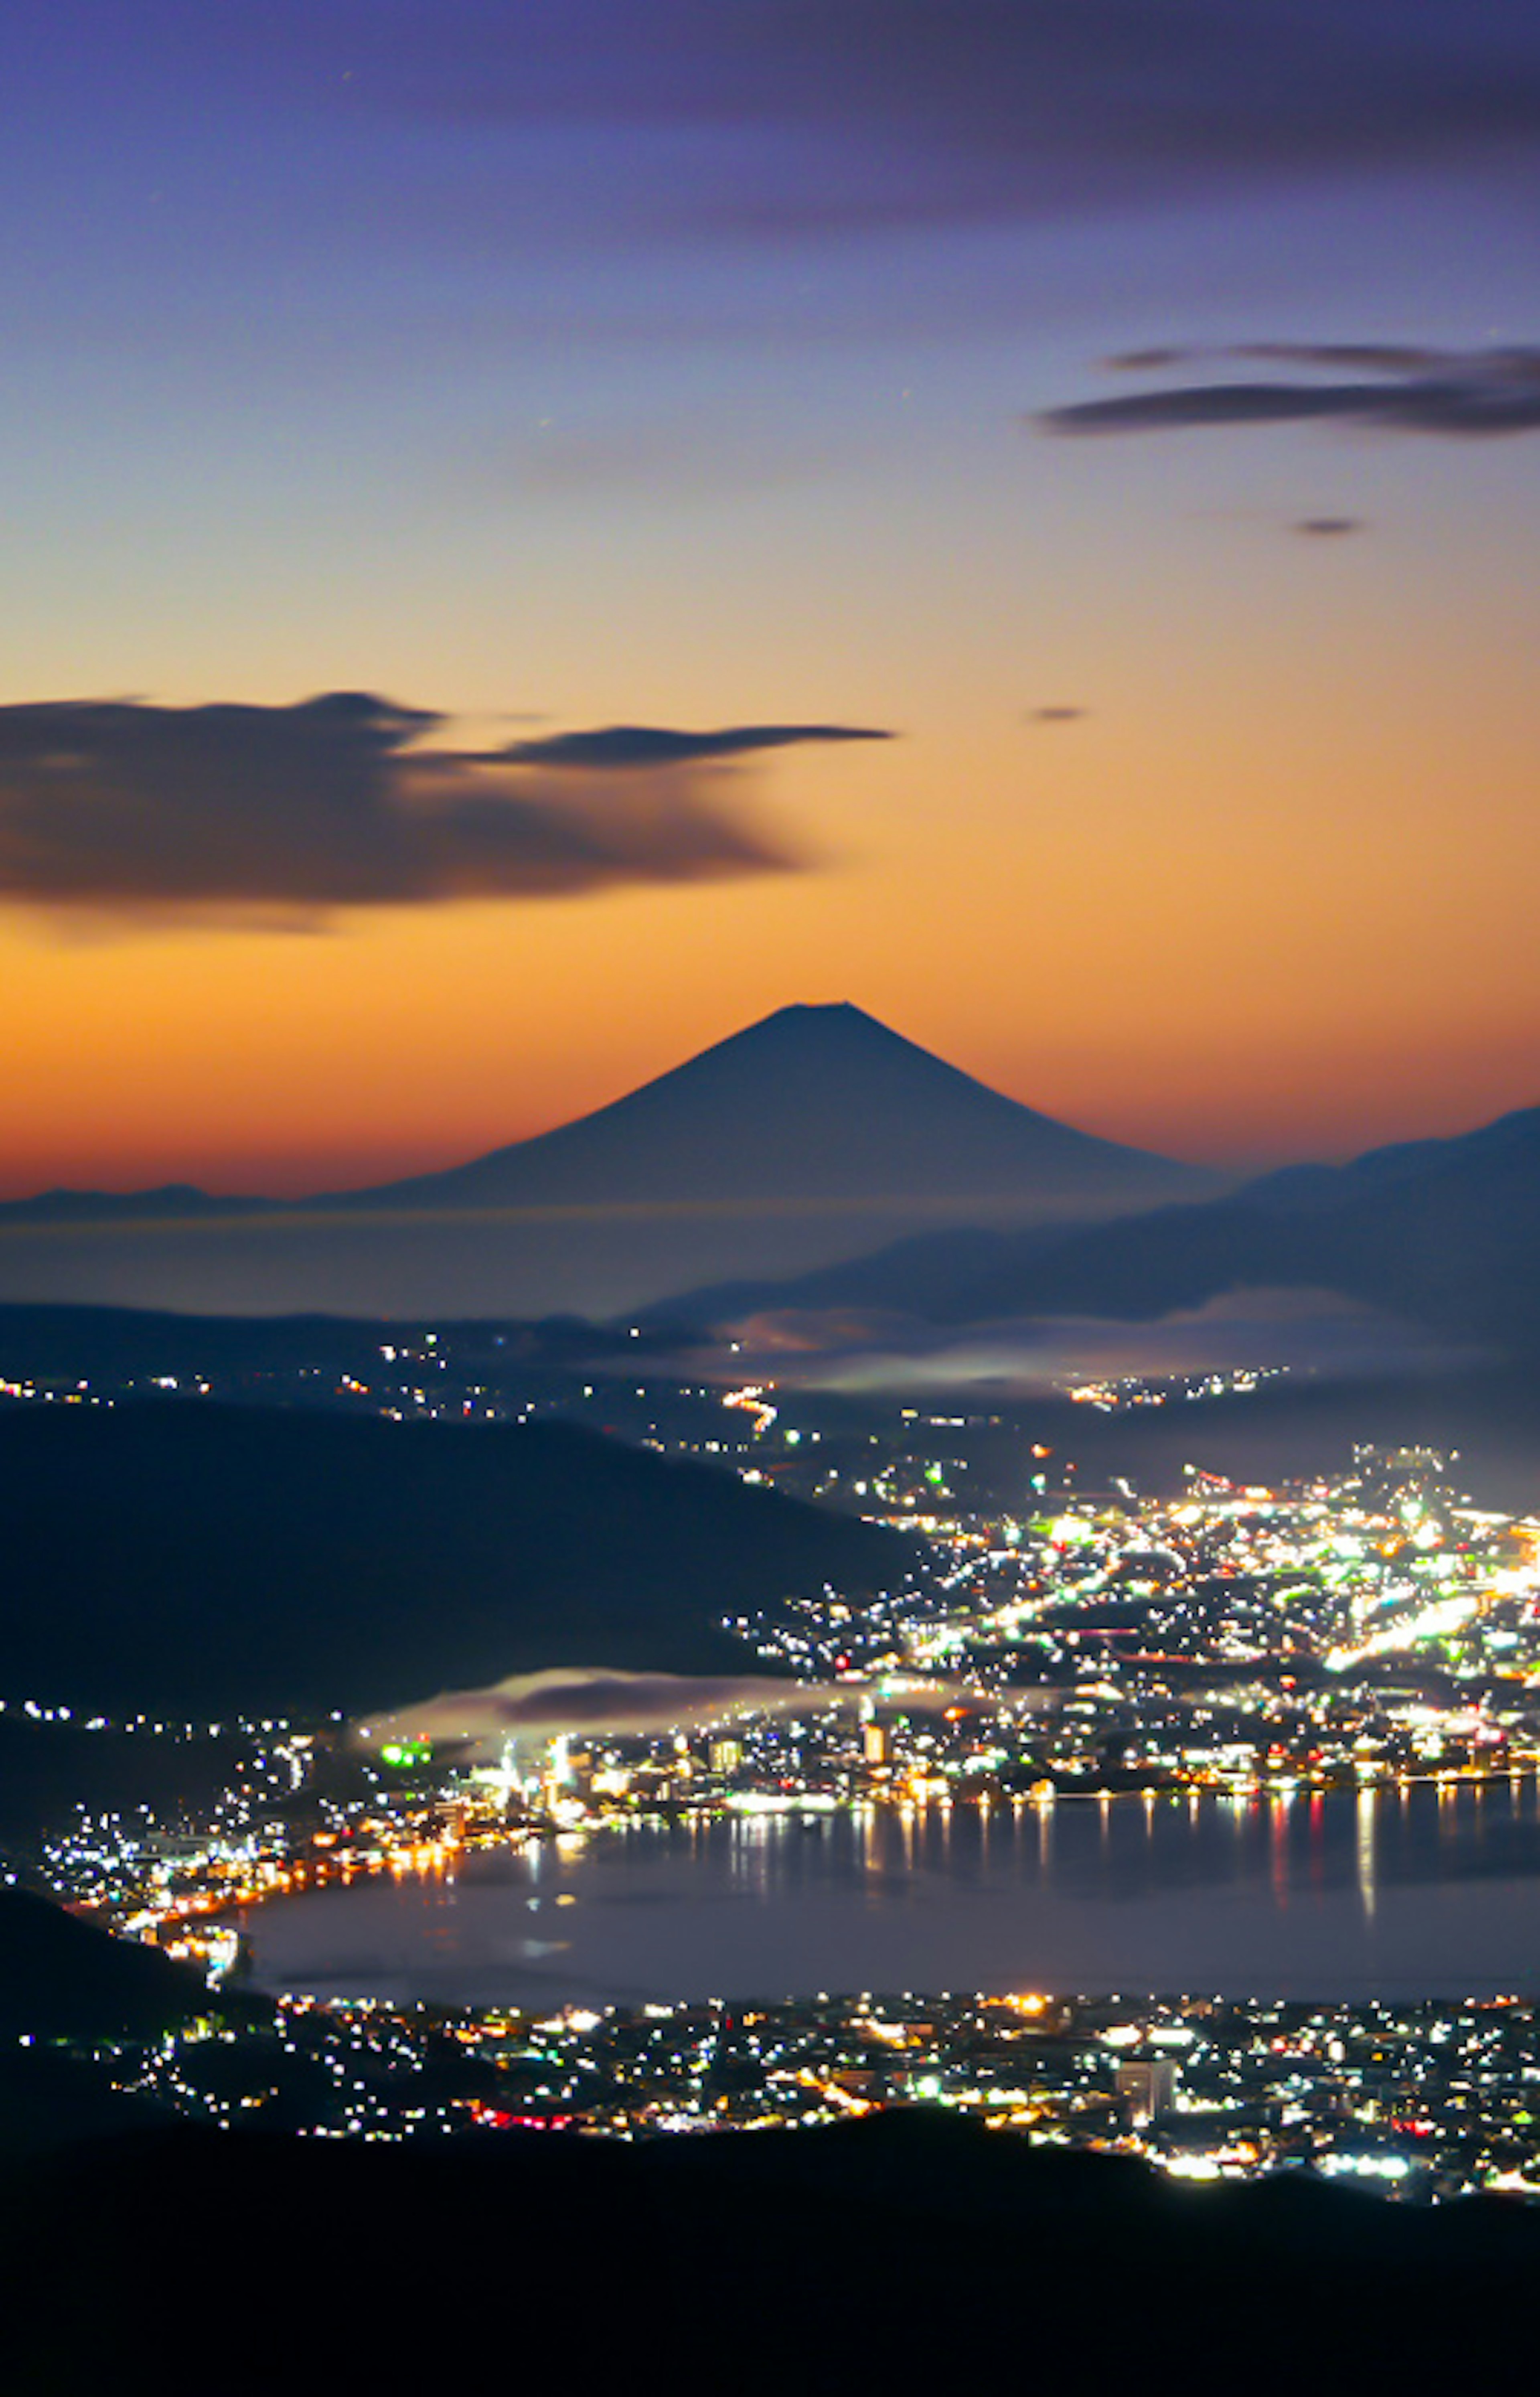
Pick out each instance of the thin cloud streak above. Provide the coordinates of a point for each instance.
(628, 746)
(861, 113)
(1459, 395)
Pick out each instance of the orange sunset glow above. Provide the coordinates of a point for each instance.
(1206, 818)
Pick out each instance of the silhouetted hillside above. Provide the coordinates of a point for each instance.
(64, 1979)
(51, 1770)
(51, 2099)
(912, 2249)
(116, 1345)
(903, 2253)
(1444, 1232)
(201, 1560)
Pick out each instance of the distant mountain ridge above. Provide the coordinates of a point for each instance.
(808, 1137)
(1444, 1231)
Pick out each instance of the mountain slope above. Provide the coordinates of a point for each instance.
(812, 1104)
(61, 1977)
(868, 2254)
(1446, 1232)
(807, 1138)
(203, 1561)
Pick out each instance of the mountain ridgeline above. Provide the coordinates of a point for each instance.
(202, 1561)
(772, 2257)
(807, 1138)
(1442, 1232)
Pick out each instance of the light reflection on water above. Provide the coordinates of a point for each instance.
(1430, 1889)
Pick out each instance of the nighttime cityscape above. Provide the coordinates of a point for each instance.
(770, 1194)
(1369, 1642)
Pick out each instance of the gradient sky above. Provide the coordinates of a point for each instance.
(557, 365)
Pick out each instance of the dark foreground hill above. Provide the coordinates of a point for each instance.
(64, 1979)
(906, 2253)
(202, 1561)
(66, 1985)
(912, 2250)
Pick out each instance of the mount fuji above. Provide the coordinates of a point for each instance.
(811, 1136)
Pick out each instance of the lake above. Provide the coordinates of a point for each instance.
(1432, 1889)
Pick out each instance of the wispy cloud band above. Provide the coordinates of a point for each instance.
(1463, 395)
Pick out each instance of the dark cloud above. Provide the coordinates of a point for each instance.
(631, 746)
(1328, 528)
(1057, 715)
(860, 112)
(1465, 395)
(345, 801)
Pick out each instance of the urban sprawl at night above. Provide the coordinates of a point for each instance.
(1244, 1645)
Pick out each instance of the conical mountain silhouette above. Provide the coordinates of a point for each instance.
(810, 1136)
(814, 1104)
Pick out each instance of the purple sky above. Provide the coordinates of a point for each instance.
(707, 367)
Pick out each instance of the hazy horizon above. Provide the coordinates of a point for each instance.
(302, 1175)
